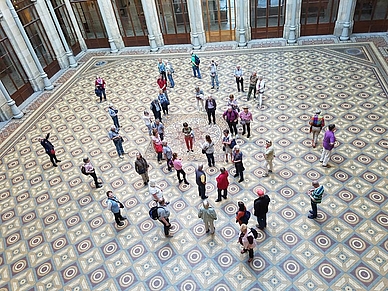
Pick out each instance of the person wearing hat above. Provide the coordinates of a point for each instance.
(208, 215)
(245, 120)
(238, 164)
(113, 114)
(328, 144)
(260, 207)
(117, 140)
(317, 122)
(141, 167)
(268, 155)
(238, 74)
(199, 96)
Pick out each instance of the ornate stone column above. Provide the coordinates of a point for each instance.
(243, 33)
(344, 23)
(292, 21)
(69, 53)
(155, 36)
(198, 37)
(11, 103)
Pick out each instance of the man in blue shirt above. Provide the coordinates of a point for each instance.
(316, 198)
(117, 140)
(114, 205)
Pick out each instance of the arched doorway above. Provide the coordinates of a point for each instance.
(219, 18)
(318, 17)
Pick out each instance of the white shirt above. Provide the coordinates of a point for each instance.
(260, 85)
(147, 119)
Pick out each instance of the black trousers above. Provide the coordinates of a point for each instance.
(262, 221)
(240, 81)
(178, 174)
(164, 75)
(202, 191)
(220, 192)
(210, 159)
(232, 127)
(250, 91)
(247, 126)
(314, 208)
(211, 113)
(166, 227)
(53, 158)
(118, 217)
(250, 252)
(95, 178)
(239, 170)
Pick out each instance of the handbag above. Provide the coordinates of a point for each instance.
(52, 152)
(121, 205)
(158, 148)
(203, 151)
(243, 122)
(223, 148)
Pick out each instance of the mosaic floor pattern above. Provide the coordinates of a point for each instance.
(56, 233)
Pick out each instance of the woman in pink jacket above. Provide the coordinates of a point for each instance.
(177, 163)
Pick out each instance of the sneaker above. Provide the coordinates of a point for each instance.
(145, 183)
(187, 183)
(208, 231)
(55, 165)
(180, 181)
(169, 235)
(218, 200)
(225, 197)
(324, 166)
(159, 162)
(123, 218)
(189, 150)
(248, 136)
(236, 175)
(58, 161)
(120, 224)
(192, 150)
(243, 133)
(241, 180)
(205, 197)
(265, 175)
(226, 161)
(311, 217)
(269, 171)
(98, 185)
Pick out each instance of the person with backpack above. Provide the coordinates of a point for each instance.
(208, 215)
(252, 85)
(164, 217)
(238, 164)
(213, 74)
(49, 148)
(231, 117)
(114, 205)
(268, 156)
(247, 240)
(164, 102)
(260, 207)
(200, 178)
(195, 61)
(242, 215)
(141, 167)
(170, 71)
(88, 169)
(317, 122)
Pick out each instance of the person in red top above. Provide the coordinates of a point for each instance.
(241, 218)
(100, 86)
(222, 184)
(162, 84)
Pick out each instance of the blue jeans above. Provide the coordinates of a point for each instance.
(215, 78)
(170, 78)
(116, 121)
(119, 147)
(196, 71)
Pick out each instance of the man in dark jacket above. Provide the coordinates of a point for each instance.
(201, 182)
(261, 209)
(48, 146)
(210, 107)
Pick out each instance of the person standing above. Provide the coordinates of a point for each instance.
(156, 109)
(245, 120)
(242, 215)
(210, 107)
(213, 74)
(117, 140)
(231, 117)
(222, 184)
(268, 156)
(189, 136)
(201, 182)
(162, 84)
(238, 74)
(328, 144)
(157, 144)
(49, 148)
(195, 61)
(114, 205)
(252, 85)
(316, 197)
(164, 217)
(141, 167)
(88, 169)
(227, 148)
(199, 96)
(177, 163)
(100, 87)
(169, 71)
(260, 87)
(159, 126)
(238, 164)
(232, 102)
(156, 192)
(260, 207)
(247, 240)
(317, 122)
(113, 114)
(147, 120)
(208, 149)
(164, 102)
(208, 215)
(162, 69)
(168, 154)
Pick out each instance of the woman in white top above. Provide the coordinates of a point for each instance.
(208, 149)
(147, 120)
(232, 102)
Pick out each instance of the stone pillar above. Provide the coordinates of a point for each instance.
(52, 34)
(155, 36)
(197, 33)
(243, 22)
(344, 23)
(16, 113)
(291, 30)
(112, 29)
(75, 23)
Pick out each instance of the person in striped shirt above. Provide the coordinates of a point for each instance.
(316, 198)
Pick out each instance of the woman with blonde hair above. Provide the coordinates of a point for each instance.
(247, 240)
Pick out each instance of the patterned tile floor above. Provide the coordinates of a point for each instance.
(57, 235)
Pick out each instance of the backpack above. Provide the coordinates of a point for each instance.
(246, 217)
(232, 143)
(83, 170)
(197, 61)
(154, 212)
(254, 233)
(163, 99)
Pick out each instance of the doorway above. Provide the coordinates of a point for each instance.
(371, 16)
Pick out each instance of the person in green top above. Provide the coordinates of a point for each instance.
(316, 198)
(195, 65)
